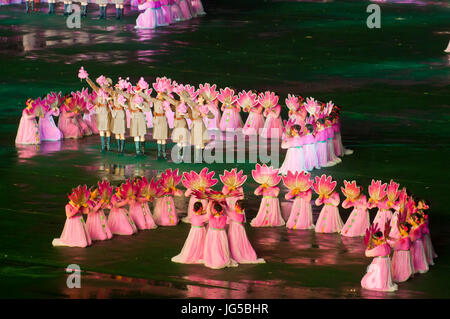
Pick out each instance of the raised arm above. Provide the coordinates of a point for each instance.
(92, 84)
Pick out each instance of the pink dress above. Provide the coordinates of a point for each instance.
(417, 251)
(383, 215)
(119, 220)
(68, 124)
(394, 233)
(378, 276)
(321, 148)
(185, 9)
(240, 247)
(192, 201)
(75, 233)
(402, 263)
(47, 128)
(28, 131)
(164, 213)
(427, 245)
(273, 126)
(301, 212)
(358, 221)
(192, 251)
(331, 157)
(214, 123)
(309, 152)
(141, 215)
(91, 120)
(269, 213)
(147, 19)
(329, 220)
(216, 254)
(294, 160)
(166, 11)
(175, 10)
(97, 223)
(197, 7)
(231, 119)
(255, 121)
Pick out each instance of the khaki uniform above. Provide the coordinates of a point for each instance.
(160, 126)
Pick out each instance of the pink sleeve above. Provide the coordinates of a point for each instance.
(334, 199)
(188, 192)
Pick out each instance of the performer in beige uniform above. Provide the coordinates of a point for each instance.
(180, 133)
(102, 110)
(118, 121)
(102, 7)
(119, 8)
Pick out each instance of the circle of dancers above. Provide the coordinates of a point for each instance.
(311, 135)
(155, 13)
(398, 239)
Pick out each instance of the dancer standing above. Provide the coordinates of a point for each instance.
(231, 119)
(269, 213)
(329, 220)
(209, 93)
(377, 192)
(273, 124)
(248, 101)
(299, 185)
(417, 249)
(359, 220)
(295, 159)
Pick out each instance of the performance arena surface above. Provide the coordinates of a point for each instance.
(392, 84)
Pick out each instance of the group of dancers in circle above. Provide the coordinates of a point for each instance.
(155, 13)
(218, 238)
(311, 135)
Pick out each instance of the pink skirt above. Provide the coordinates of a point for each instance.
(216, 254)
(74, 234)
(329, 220)
(142, 217)
(331, 157)
(186, 12)
(48, 130)
(97, 226)
(301, 215)
(381, 218)
(230, 120)
(429, 250)
(28, 132)
(254, 124)
(192, 201)
(69, 127)
(164, 213)
(294, 161)
(272, 127)
(309, 151)
(402, 265)
(378, 276)
(357, 224)
(418, 257)
(269, 213)
(240, 247)
(120, 223)
(321, 152)
(192, 251)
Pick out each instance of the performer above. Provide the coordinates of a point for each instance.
(67, 7)
(377, 192)
(51, 6)
(84, 5)
(269, 213)
(166, 11)
(197, 8)
(201, 182)
(299, 185)
(295, 159)
(209, 94)
(28, 131)
(47, 127)
(29, 6)
(378, 276)
(175, 11)
(331, 156)
(216, 254)
(137, 107)
(185, 10)
(118, 120)
(358, 221)
(309, 148)
(192, 251)
(273, 124)
(240, 247)
(297, 112)
(147, 193)
(96, 223)
(427, 244)
(101, 108)
(75, 233)
(67, 122)
(141, 218)
(90, 117)
(231, 119)
(119, 221)
(417, 250)
(329, 220)
(164, 211)
(102, 4)
(248, 101)
(160, 125)
(119, 8)
(180, 133)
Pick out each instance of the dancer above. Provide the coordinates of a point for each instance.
(119, 221)
(75, 233)
(378, 198)
(339, 148)
(197, 8)
(119, 8)
(232, 184)
(359, 220)
(209, 94)
(417, 249)
(295, 159)
(240, 247)
(84, 4)
(201, 182)
(309, 148)
(96, 222)
(147, 193)
(51, 6)
(427, 244)
(118, 120)
(160, 124)
(164, 212)
(28, 131)
(329, 220)
(216, 254)
(331, 156)
(47, 128)
(378, 276)
(402, 263)
(269, 213)
(101, 109)
(185, 10)
(299, 185)
(180, 133)
(141, 218)
(175, 11)
(90, 117)
(231, 119)
(248, 101)
(273, 124)
(67, 123)
(193, 248)
(29, 6)
(297, 113)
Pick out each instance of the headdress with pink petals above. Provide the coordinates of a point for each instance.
(377, 191)
(79, 196)
(169, 180)
(312, 106)
(392, 192)
(191, 91)
(201, 182)
(105, 191)
(324, 185)
(227, 96)
(298, 182)
(247, 100)
(266, 176)
(268, 99)
(208, 91)
(292, 102)
(232, 180)
(351, 190)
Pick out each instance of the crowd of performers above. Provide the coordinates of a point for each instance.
(398, 239)
(155, 12)
(311, 135)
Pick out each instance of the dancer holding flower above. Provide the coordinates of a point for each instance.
(299, 185)
(359, 220)
(329, 220)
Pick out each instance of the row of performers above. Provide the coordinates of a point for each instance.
(406, 230)
(156, 12)
(312, 133)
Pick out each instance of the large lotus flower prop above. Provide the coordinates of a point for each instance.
(297, 183)
(201, 182)
(247, 100)
(232, 180)
(324, 186)
(266, 176)
(149, 190)
(227, 96)
(79, 196)
(392, 193)
(268, 99)
(208, 92)
(377, 192)
(292, 102)
(370, 232)
(105, 191)
(168, 182)
(351, 191)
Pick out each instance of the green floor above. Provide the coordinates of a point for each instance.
(392, 84)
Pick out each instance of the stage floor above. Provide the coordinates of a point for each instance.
(391, 83)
